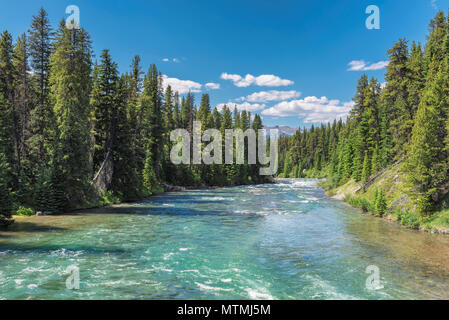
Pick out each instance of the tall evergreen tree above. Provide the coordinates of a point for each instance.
(70, 81)
(7, 118)
(23, 104)
(41, 119)
(103, 99)
(5, 192)
(152, 128)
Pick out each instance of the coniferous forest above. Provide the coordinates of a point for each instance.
(75, 133)
(400, 126)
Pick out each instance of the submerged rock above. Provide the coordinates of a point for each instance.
(45, 213)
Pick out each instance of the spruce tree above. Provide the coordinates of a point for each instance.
(152, 127)
(366, 168)
(380, 203)
(7, 115)
(125, 179)
(5, 192)
(102, 100)
(426, 157)
(70, 82)
(23, 104)
(40, 37)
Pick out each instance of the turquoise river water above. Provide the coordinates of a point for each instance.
(282, 241)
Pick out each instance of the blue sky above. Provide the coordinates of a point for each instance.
(287, 60)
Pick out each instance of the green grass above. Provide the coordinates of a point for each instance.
(360, 202)
(439, 220)
(407, 218)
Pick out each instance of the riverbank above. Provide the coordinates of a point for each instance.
(399, 207)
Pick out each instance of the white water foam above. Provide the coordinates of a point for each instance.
(210, 288)
(259, 294)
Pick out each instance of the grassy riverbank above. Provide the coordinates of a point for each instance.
(399, 206)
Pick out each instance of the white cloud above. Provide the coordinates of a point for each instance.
(176, 60)
(311, 109)
(361, 65)
(265, 80)
(242, 106)
(212, 86)
(271, 95)
(181, 86)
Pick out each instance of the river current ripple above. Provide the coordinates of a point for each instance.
(278, 241)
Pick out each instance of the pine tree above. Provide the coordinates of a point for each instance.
(5, 192)
(7, 112)
(366, 168)
(169, 120)
(70, 82)
(256, 126)
(375, 160)
(425, 163)
(176, 112)
(434, 53)
(42, 118)
(102, 101)
(287, 166)
(135, 116)
(386, 143)
(125, 179)
(380, 203)
(395, 95)
(204, 113)
(152, 128)
(168, 125)
(415, 85)
(23, 102)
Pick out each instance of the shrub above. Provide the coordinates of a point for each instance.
(110, 198)
(360, 202)
(23, 211)
(408, 218)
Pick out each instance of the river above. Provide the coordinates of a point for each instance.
(281, 241)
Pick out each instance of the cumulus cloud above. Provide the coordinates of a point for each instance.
(361, 65)
(242, 106)
(265, 80)
(165, 59)
(311, 109)
(272, 95)
(212, 86)
(182, 86)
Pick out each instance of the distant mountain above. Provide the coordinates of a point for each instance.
(283, 130)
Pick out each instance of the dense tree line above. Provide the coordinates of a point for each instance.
(73, 131)
(404, 121)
